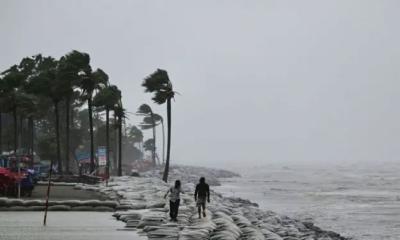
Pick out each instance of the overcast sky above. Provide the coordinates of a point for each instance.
(260, 81)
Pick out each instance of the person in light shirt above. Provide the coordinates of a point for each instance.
(174, 200)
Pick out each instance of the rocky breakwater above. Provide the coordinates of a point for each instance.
(142, 207)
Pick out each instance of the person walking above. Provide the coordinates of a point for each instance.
(174, 200)
(201, 194)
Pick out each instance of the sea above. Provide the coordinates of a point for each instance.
(360, 201)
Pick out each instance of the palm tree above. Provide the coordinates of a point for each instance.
(159, 84)
(89, 82)
(12, 89)
(120, 113)
(156, 116)
(135, 135)
(12, 81)
(47, 83)
(69, 68)
(149, 122)
(27, 109)
(148, 145)
(106, 99)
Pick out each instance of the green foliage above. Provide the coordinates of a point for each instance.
(90, 81)
(159, 84)
(33, 87)
(107, 98)
(144, 109)
(148, 145)
(135, 134)
(120, 112)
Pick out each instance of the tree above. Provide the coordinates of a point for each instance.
(158, 118)
(120, 113)
(149, 122)
(89, 82)
(11, 95)
(135, 134)
(47, 83)
(148, 145)
(69, 68)
(107, 99)
(159, 84)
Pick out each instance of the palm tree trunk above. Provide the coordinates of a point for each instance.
(15, 130)
(115, 152)
(166, 170)
(107, 143)
(119, 146)
(163, 141)
(59, 163)
(31, 138)
(154, 138)
(91, 134)
(67, 132)
(21, 132)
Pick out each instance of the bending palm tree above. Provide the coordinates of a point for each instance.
(90, 81)
(107, 99)
(70, 66)
(150, 121)
(159, 84)
(153, 122)
(11, 83)
(120, 114)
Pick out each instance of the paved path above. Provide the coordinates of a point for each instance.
(63, 226)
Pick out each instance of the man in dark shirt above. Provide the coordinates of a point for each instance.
(202, 194)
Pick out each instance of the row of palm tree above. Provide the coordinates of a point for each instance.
(40, 81)
(24, 88)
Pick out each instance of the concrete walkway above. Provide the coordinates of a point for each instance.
(63, 226)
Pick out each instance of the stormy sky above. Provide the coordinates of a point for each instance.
(260, 81)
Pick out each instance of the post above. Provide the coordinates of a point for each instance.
(19, 176)
(48, 193)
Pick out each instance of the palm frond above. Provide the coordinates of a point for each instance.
(144, 109)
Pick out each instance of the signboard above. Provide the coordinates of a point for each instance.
(102, 156)
(83, 157)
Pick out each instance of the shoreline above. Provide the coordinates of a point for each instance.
(141, 207)
(226, 215)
